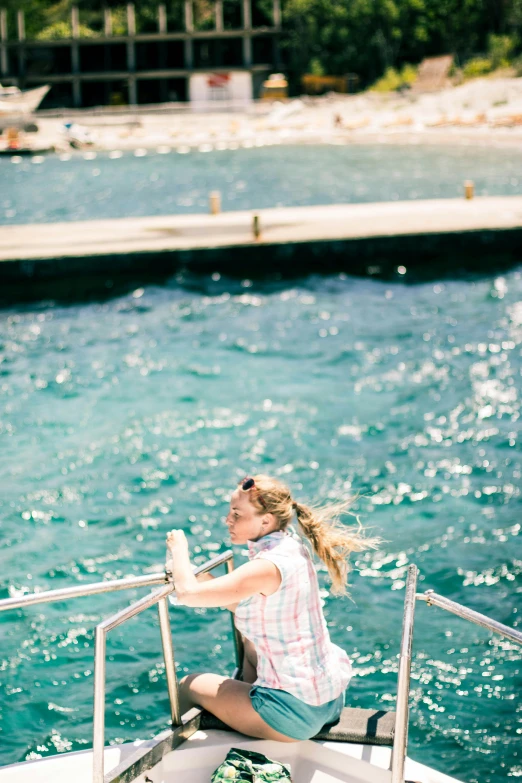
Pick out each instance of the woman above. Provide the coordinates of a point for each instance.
(294, 677)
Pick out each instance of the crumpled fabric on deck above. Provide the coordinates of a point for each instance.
(252, 767)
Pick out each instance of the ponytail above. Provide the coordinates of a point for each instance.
(332, 541)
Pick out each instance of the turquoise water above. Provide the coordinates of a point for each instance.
(50, 189)
(121, 420)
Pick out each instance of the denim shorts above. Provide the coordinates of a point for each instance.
(292, 717)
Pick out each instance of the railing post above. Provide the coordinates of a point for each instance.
(170, 664)
(400, 740)
(98, 729)
(238, 639)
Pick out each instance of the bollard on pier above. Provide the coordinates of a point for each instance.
(215, 202)
(256, 227)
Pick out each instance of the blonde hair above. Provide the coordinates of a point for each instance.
(332, 541)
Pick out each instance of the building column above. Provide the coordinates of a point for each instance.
(131, 34)
(133, 91)
(189, 29)
(277, 13)
(3, 42)
(162, 50)
(107, 22)
(276, 49)
(20, 22)
(75, 57)
(218, 15)
(131, 54)
(247, 39)
(189, 54)
(77, 93)
(162, 19)
(247, 51)
(247, 15)
(189, 17)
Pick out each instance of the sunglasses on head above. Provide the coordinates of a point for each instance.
(249, 483)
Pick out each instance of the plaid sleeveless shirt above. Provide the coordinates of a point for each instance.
(288, 629)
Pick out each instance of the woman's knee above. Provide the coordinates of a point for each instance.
(184, 684)
(188, 692)
(186, 680)
(200, 686)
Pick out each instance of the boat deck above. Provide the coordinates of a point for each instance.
(202, 752)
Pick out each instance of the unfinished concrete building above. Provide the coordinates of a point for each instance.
(144, 60)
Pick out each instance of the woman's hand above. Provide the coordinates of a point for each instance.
(177, 542)
(178, 562)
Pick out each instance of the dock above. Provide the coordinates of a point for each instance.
(383, 239)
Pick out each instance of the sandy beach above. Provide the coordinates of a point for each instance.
(485, 111)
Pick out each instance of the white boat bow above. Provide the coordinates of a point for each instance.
(197, 758)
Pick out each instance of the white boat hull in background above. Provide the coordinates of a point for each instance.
(16, 102)
(196, 759)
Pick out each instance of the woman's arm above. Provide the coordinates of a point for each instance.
(258, 576)
(207, 577)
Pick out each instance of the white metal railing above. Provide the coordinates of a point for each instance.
(79, 591)
(400, 739)
(183, 728)
(159, 597)
(434, 599)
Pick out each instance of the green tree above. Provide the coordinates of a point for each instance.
(369, 36)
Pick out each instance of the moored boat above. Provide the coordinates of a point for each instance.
(16, 101)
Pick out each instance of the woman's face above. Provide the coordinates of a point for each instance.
(244, 522)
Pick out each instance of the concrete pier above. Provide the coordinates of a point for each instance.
(370, 239)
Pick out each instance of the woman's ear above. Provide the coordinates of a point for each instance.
(268, 520)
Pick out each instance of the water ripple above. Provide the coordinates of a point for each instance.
(122, 419)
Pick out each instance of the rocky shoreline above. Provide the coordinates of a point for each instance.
(482, 112)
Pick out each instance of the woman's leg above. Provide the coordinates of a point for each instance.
(229, 701)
